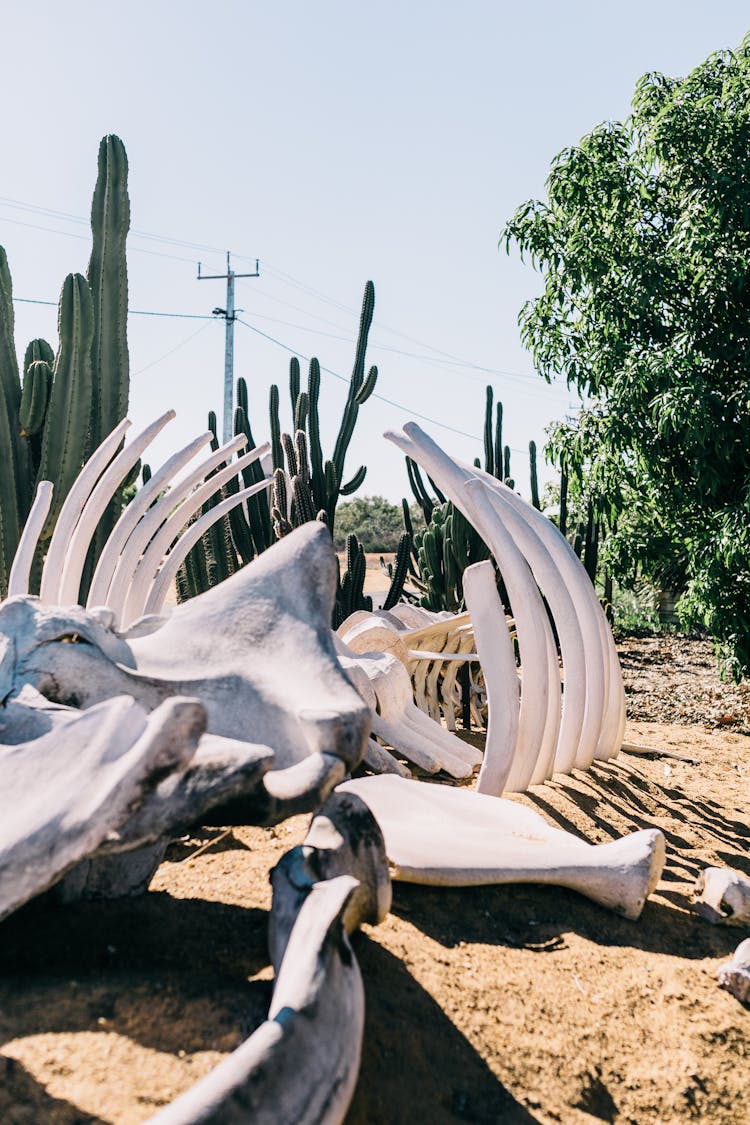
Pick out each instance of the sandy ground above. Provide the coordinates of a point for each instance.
(515, 1004)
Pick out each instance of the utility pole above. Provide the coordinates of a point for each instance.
(230, 315)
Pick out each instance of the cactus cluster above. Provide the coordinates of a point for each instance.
(449, 543)
(306, 485)
(66, 402)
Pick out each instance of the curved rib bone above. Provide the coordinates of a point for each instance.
(95, 506)
(133, 512)
(71, 511)
(536, 724)
(442, 836)
(495, 649)
(301, 1065)
(594, 697)
(162, 582)
(153, 519)
(604, 689)
(18, 580)
(145, 573)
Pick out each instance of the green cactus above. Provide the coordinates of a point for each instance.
(15, 485)
(534, 478)
(351, 595)
(37, 384)
(70, 400)
(107, 277)
(399, 571)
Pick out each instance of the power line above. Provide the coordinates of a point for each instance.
(171, 351)
(447, 358)
(84, 238)
(284, 277)
(132, 312)
(382, 398)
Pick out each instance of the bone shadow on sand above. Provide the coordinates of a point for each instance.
(23, 1101)
(138, 965)
(411, 1044)
(537, 918)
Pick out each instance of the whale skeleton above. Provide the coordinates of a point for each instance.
(244, 698)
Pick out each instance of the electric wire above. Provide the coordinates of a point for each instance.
(448, 358)
(171, 351)
(282, 275)
(382, 398)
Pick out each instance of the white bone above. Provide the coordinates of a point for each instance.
(379, 760)
(162, 582)
(62, 794)
(154, 518)
(257, 650)
(143, 576)
(604, 711)
(383, 683)
(580, 726)
(495, 648)
(133, 512)
(18, 580)
(532, 627)
(221, 770)
(721, 895)
(71, 511)
(734, 975)
(605, 692)
(94, 508)
(301, 1064)
(442, 836)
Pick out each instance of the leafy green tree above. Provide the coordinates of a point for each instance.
(377, 524)
(644, 247)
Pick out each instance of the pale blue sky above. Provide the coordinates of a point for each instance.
(337, 142)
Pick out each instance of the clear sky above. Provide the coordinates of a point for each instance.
(336, 141)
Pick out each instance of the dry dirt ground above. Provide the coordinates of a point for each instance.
(509, 1004)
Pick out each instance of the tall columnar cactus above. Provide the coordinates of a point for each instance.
(534, 481)
(107, 277)
(67, 425)
(306, 485)
(15, 490)
(72, 399)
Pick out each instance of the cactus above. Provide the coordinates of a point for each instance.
(15, 486)
(534, 481)
(107, 277)
(306, 485)
(72, 399)
(399, 571)
(350, 596)
(35, 393)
